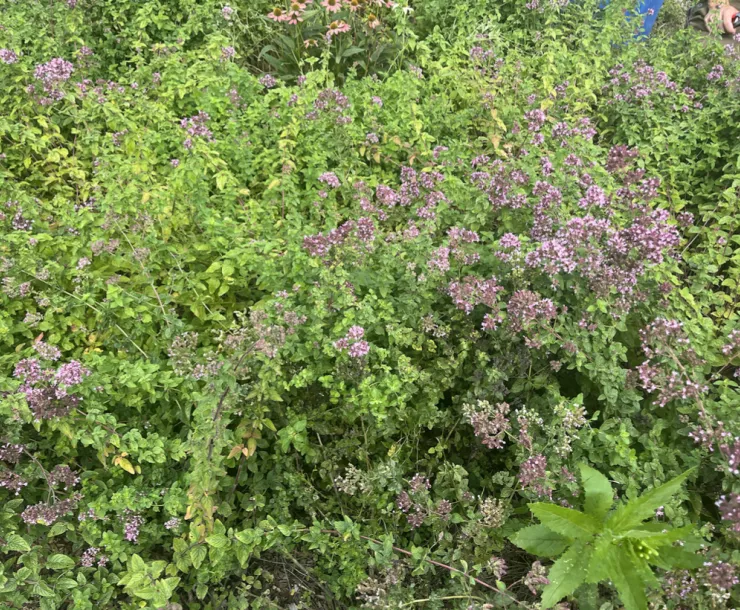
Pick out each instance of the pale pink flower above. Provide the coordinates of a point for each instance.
(278, 15)
(337, 27)
(332, 5)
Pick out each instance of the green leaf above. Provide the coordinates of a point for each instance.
(540, 540)
(217, 541)
(60, 562)
(566, 521)
(670, 557)
(597, 571)
(197, 555)
(566, 574)
(14, 542)
(598, 491)
(137, 564)
(41, 589)
(626, 579)
(635, 511)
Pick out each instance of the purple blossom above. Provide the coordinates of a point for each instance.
(46, 351)
(48, 513)
(268, 81)
(533, 475)
(63, 475)
(131, 528)
(330, 179)
(71, 373)
(7, 56)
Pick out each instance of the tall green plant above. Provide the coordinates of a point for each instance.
(608, 541)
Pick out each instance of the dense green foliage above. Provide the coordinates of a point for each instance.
(289, 320)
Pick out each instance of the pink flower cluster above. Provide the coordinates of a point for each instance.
(47, 391)
(320, 245)
(196, 128)
(472, 291)
(53, 74)
(353, 343)
(490, 422)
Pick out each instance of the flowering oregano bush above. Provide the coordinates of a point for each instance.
(318, 327)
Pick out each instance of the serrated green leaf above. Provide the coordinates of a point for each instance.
(566, 574)
(60, 562)
(137, 564)
(41, 589)
(597, 570)
(598, 491)
(675, 557)
(14, 542)
(197, 555)
(540, 540)
(217, 541)
(631, 514)
(566, 521)
(626, 579)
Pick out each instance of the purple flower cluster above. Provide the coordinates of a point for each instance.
(11, 453)
(7, 56)
(535, 119)
(131, 528)
(731, 452)
(334, 103)
(172, 524)
(732, 346)
(533, 475)
(227, 53)
(472, 291)
(330, 179)
(46, 394)
(196, 128)
(720, 575)
(268, 81)
(729, 508)
(63, 475)
(12, 482)
(53, 74)
(536, 577)
(92, 556)
(526, 307)
(353, 343)
(490, 422)
(46, 351)
(49, 513)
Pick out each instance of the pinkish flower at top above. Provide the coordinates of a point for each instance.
(295, 14)
(337, 27)
(372, 21)
(174, 162)
(227, 53)
(353, 5)
(330, 179)
(377, 101)
(7, 56)
(277, 14)
(332, 5)
(227, 12)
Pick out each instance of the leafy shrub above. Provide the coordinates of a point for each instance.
(323, 342)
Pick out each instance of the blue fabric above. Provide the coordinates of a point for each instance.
(642, 11)
(646, 5)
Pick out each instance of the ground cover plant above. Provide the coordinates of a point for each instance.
(366, 304)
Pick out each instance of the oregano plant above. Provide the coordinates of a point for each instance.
(607, 541)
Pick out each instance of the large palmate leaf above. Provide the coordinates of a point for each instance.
(631, 514)
(567, 574)
(598, 491)
(566, 521)
(540, 540)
